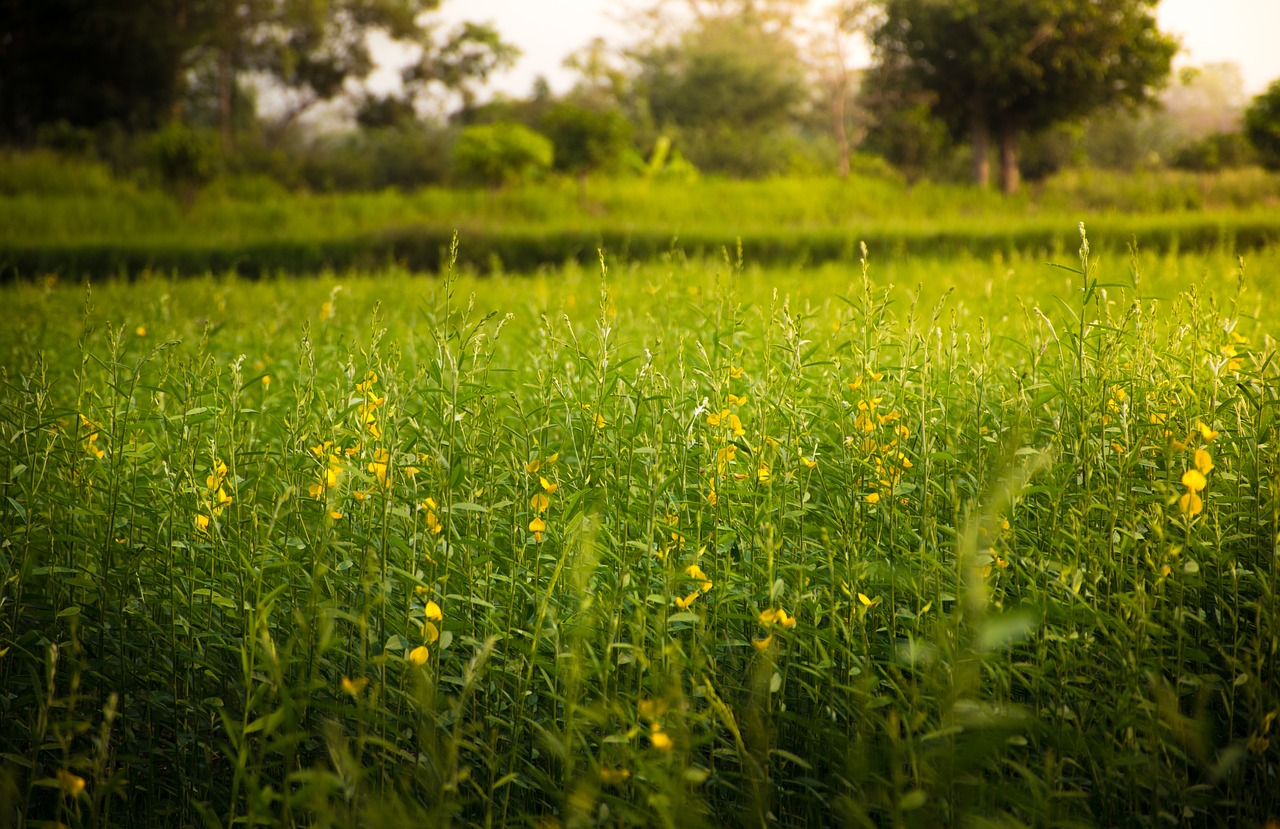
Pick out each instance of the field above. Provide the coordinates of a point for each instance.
(77, 220)
(954, 540)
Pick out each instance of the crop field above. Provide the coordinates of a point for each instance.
(949, 541)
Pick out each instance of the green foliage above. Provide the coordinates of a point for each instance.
(185, 159)
(1020, 66)
(1218, 151)
(696, 544)
(1262, 126)
(586, 139)
(728, 89)
(910, 139)
(501, 153)
(87, 64)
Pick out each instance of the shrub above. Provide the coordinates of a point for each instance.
(1262, 126)
(501, 153)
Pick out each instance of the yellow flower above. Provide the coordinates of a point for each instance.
(763, 474)
(72, 784)
(599, 421)
(715, 418)
(694, 572)
(873, 498)
(433, 523)
(809, 463)
(378, 466)
(612, 777)
(658, 738)
(419, 655)
(1205, 431)
(354, 686)
(868, 602)
(1193, 480)
(735, 426)
(735, 400)
(537, 526)
(141, 331)
(202, 523)
(684, 602)
(266, 380)
(761, 643)
(734, 372)
(326, 310)
(770, 616)
(533, 466)
(335, 515)
(539, 502)
(856, 384)
(1191, 504)
(547, 485)
(652, 709)
(432, 611)
(712, 497)
(1204, 462)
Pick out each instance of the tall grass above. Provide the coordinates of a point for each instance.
(689, 543)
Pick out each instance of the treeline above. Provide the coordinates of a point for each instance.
(184, 92)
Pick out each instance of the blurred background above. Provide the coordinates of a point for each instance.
(346, 95)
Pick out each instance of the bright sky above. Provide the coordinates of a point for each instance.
(1243, 31)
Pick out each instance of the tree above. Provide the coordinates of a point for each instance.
(1011, 67)
(88, 63)
(727, 87)
(1262, 126)
(586, 139)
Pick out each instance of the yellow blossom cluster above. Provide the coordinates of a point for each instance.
(430, 614)
(216, 496)
(368, 408)
(772, 618)
(653, 711)
(91, 446)
(540, 501)
(1232, 352)
(702, 585)
(881, 438)
(1195, 480)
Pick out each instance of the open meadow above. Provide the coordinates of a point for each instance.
(953, 540)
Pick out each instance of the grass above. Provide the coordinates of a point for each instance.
(692, 543)
(78, 221)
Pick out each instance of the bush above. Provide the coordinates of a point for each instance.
(1262, 126)
(1223, 150)
(501, 153)
(185, 159)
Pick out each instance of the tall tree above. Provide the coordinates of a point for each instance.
(1010, 67)
(727, 86)
(88, 63)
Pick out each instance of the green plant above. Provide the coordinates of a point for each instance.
(501, 153)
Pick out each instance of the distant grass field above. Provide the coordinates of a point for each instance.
(76, 220)
(951, 541)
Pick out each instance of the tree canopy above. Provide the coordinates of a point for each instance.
(1013, 67)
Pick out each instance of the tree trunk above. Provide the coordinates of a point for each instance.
(981, 152)
(226, 96)
(842, 136)
(1010, 176)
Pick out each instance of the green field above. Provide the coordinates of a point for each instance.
(950, 540)
(77, 220)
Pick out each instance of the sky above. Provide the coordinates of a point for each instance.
(1243, 31)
